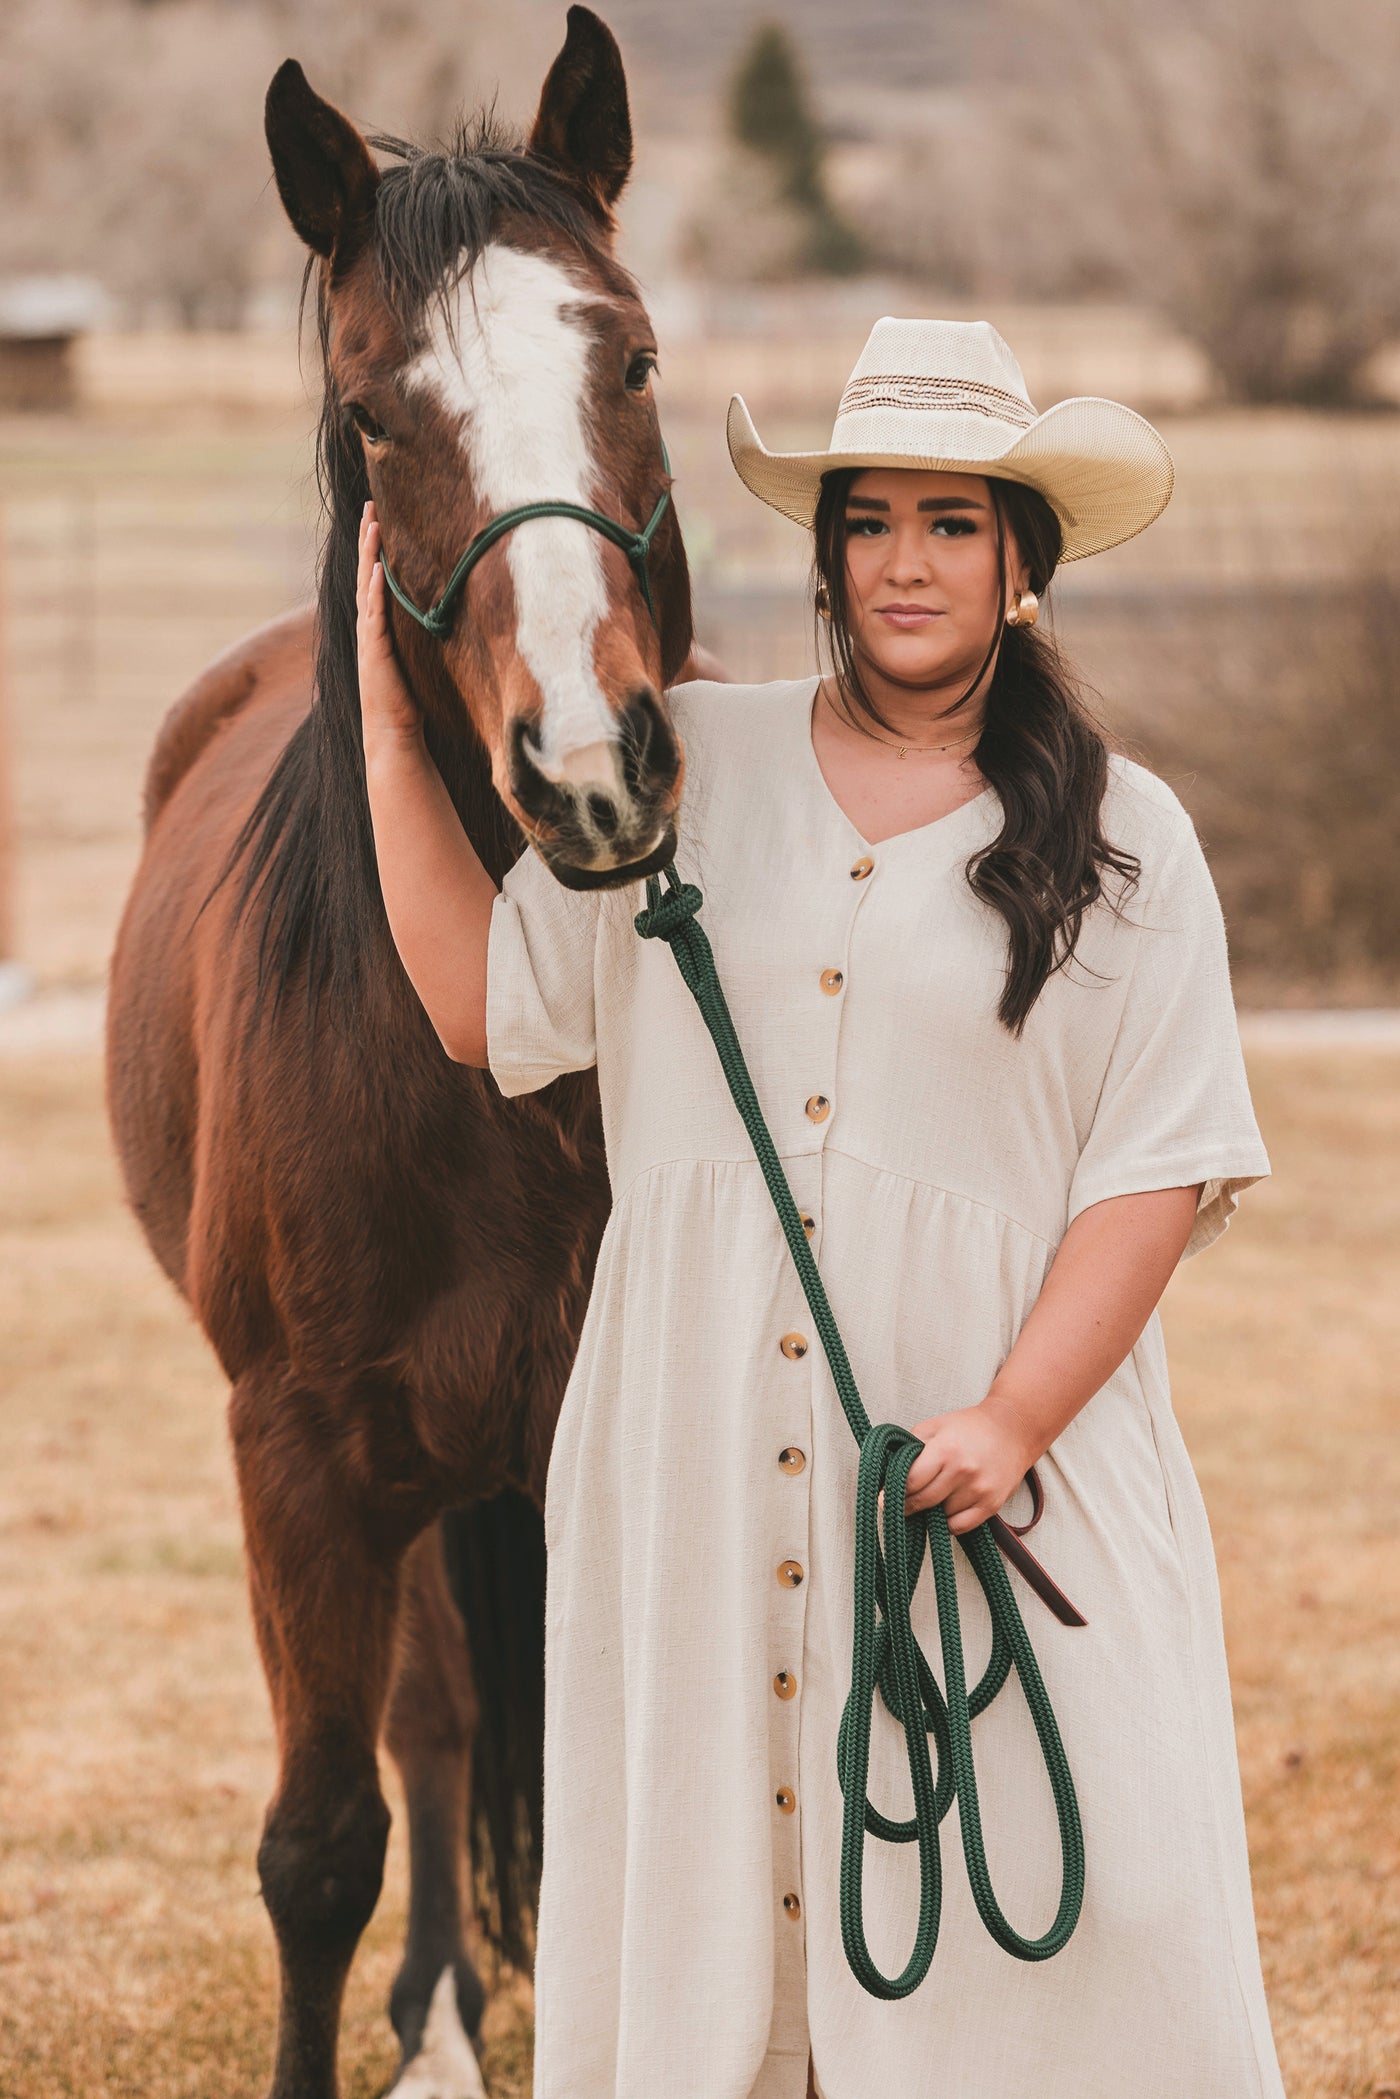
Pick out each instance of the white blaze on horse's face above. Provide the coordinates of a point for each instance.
(513, 370)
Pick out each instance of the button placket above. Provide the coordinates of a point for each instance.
(788, 1620)
(800, 1358)
(832, 981)
(795, 1356)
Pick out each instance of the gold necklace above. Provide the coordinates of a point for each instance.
(930, 750)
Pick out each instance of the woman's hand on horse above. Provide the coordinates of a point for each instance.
(972, 1461)
(387, 708)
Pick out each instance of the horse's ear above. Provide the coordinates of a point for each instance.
(583, 126)
(326, 177)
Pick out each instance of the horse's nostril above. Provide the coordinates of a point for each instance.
(604, 815)
(647, 746)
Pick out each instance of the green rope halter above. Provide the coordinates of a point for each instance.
(885, 1651)
(635, 545)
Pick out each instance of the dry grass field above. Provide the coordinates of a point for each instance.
(135, 1958)
(135, 1954)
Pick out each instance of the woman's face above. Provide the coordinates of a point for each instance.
(924, 596)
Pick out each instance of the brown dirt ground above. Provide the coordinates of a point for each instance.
(135, 1954)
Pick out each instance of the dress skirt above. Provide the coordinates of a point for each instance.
(699, 1511)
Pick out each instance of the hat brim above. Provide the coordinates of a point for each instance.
(1103, 469)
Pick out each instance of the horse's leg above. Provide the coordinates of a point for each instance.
(324, 1579)
(437, 1999)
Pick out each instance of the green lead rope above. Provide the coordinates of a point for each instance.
(885, 1651)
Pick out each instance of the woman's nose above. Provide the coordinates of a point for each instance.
(908, 559)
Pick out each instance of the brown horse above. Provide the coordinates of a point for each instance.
(391, 1261)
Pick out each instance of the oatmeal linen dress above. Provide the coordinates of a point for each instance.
(689, 1935)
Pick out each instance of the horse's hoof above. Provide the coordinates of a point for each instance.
(445, 2066)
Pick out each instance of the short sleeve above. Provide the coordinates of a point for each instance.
(1175, 1108)
(539, 978)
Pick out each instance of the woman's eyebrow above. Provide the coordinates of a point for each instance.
(925, 503)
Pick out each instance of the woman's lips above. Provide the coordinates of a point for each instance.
(907, 615)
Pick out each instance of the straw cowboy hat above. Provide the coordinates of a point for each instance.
(949, 396)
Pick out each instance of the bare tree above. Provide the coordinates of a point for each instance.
(131, 142)
(56, 57)
(412, 66)
(1236, 166)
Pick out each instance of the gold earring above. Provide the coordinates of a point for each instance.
(822, 599)
(1025, 612)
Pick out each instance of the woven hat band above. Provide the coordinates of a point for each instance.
(933, 433)
(910, 390)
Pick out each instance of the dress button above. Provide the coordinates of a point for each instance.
(785, 1684)
(792, 1459)
(794, 1346)
(790, 1573)
(809, 1223)
(832, 980)
(786, 1799)
(861, 868)
(792, 1905)
(818, 1107)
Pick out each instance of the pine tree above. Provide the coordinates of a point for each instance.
(770, 114)
(769, 111)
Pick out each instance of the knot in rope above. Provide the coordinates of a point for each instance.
(667, 915)
(885, 1654)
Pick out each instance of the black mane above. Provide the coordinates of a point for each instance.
(307, 846)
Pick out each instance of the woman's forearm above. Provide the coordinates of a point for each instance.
(437, 894)
(1108, 1273)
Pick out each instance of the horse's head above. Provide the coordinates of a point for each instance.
(485, 352)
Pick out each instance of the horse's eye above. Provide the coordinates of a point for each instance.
(640, 370)
(373, 433)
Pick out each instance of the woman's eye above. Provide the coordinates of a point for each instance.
(373, 432)
(640, 370)
(864, 527)
(955, 527)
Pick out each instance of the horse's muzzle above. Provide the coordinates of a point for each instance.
(607, 832)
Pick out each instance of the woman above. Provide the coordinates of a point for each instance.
(978, 970)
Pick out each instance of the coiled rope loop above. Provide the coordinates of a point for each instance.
(885, 1652)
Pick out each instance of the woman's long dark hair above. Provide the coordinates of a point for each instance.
(1040, 748)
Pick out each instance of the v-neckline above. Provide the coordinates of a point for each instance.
(871, 845)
